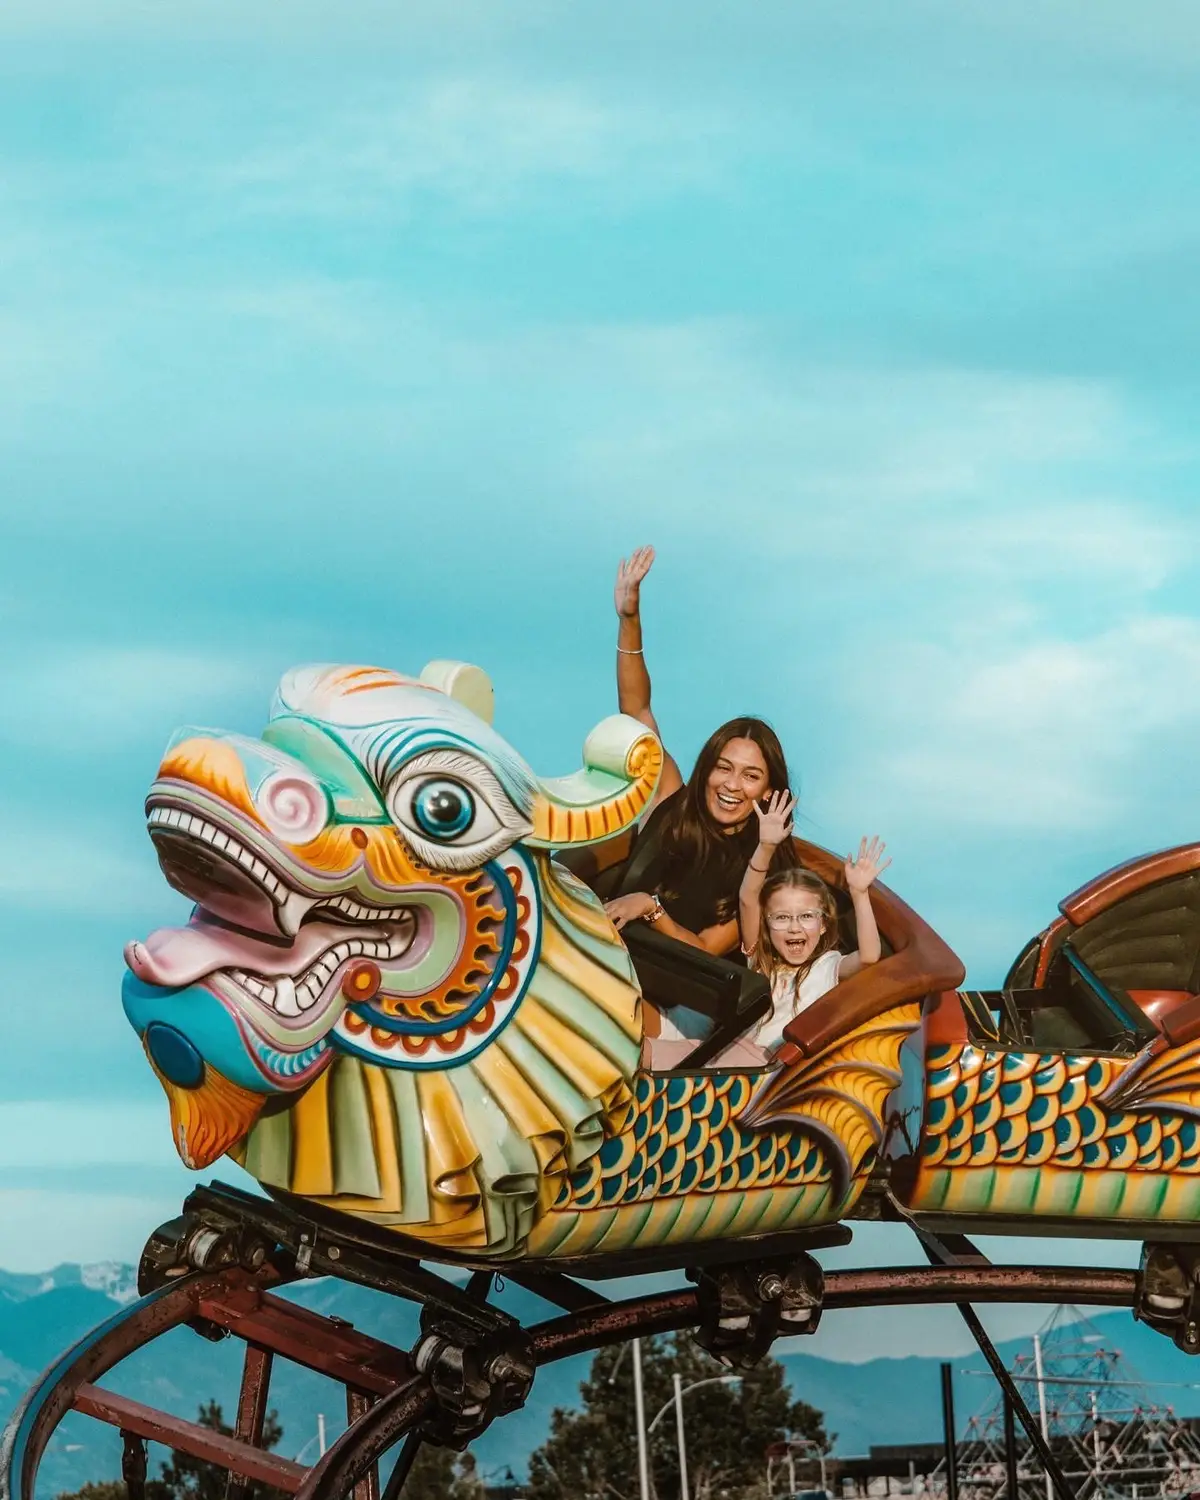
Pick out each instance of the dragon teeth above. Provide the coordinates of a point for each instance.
(261, 989)
(292, 997)
(360, 913)
(208, 833)
(283, 994)
(286, 1002)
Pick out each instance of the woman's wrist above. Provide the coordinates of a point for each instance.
(655, 911)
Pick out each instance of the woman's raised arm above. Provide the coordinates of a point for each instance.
(633, 680)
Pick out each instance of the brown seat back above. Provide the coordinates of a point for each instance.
(919, 964)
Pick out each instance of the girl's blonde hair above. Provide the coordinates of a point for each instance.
(766, 960)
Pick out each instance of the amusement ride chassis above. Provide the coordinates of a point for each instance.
(217, 1268)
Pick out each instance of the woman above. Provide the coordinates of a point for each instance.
(688, 860)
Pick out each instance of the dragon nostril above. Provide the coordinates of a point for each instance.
(174, 1056)
(362, 981)
(358, 837)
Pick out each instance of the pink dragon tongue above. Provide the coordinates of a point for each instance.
(177, 956)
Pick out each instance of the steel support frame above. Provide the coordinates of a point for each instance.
(389, 1399)
(958, 1250)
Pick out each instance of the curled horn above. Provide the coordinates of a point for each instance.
(622, 763)
(468, 685)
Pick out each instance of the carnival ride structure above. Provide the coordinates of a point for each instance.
(396, 1007)
(1112, 1432)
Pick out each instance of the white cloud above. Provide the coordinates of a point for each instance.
(86, 699)
(934, 527)
(1051, 735)
(73, 1133)
(955, 474)
(476, 142)
(917, 41)
(1106, 540)
(41, 1227)
(74, 869)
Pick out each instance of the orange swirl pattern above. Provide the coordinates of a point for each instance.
(466, 980)
(215, 767)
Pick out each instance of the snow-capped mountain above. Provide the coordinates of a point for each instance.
(118, 1282)
(111, 1278)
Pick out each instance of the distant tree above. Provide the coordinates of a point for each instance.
(108, 1489)
(468, 1483)
(591, 1453)
(439, 1474)
(188, 1478)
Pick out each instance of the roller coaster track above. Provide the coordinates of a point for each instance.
(389, 1396)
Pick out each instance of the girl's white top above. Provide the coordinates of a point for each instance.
(789, 999)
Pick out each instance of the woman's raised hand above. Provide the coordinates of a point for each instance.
(775, 823)
(867, 866)
(629, 580)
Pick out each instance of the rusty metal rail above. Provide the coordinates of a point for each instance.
(386, 1397)
(240, 1458)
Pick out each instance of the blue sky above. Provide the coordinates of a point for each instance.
(379, 333)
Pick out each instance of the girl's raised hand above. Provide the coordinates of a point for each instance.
(867, 866)
(775, 823)
(629, 580)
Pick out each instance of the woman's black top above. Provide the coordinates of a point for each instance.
(694, 896)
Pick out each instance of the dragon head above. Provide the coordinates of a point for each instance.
(367, 883)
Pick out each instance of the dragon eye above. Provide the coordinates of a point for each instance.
(452, 811)
(443, 809)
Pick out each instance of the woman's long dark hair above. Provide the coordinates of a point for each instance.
(691, 840)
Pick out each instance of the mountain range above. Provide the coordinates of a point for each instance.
(881, 1401)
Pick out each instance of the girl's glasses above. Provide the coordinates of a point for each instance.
(793, 919)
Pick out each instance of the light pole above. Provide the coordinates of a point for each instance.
(639, 1406)
(676, 1401)
(318, 1438)
(1041, 1390)
(677, 1382)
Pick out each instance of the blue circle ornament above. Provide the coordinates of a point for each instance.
(174, 1056)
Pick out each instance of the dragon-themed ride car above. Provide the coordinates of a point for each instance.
(394, 1002)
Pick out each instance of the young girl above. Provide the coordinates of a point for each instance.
(790, 922)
